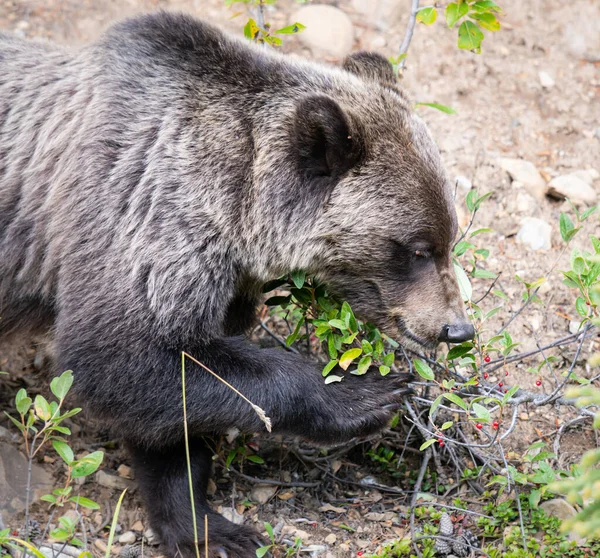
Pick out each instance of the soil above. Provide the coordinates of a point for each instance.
(502, 110)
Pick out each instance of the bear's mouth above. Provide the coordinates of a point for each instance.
(409, 335)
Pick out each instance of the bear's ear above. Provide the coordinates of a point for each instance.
(327, 143)
(372, 67)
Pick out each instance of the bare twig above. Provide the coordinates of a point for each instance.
(410, 29)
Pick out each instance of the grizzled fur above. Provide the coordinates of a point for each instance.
(151, 182)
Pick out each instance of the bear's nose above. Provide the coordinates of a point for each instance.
(457, 333)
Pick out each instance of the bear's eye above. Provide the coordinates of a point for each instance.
(422, 254)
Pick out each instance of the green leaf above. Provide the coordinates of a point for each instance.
(272, 285)
(291, 29)
(464, 285)
(60, 386)
(470, 37)
(581, 307)
(486, 6)
(22, 402)
(456, 400)
(48, 498)
(333, 378)
(85, 502)
(566, 227)
(588, 212)
(269, 530)
(447, 425)
(331, 346)
(262, 551)
(436, 403)
(338, 324)
(483, 274)
(364, 364)
(481, 231)
(273, 41)
(63, 449)
(427, 443)
(423, 369)
(454, 12)
(329, 366)
(21, 427)
(486, 20)
(42, 408)
(256, 459)
(442, 108)
(459, 350)
(251, 30)
(298, 278)
(87, 465)
(289, 341)
(462, 247)
(384, 370)
(481, 412)
(278, 300)
(427, 15)
(389, 359)
(348, 357)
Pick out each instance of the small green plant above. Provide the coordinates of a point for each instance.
(473, 16)
(276, 549)
(41, 423)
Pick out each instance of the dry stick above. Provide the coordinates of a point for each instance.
(188, 460)
(262, 415)
(206, 534)
(410, 29)
(415, 496)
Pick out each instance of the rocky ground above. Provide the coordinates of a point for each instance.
(527, 128)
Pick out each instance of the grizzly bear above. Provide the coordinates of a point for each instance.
(151, 182)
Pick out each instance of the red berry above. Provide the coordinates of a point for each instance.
(360, 553)
(500, 384)
(487, 358)
(479, 426)
(495, 425)
(486, 375)
(506, 373)
(538, 383)
(441, 442)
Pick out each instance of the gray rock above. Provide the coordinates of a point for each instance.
(558, 507)
(112, 481)
(380, 13)
(463, 183)
(329, 31)
(60, 551)
(526, 173)
(151, 537)
(13, 480)
(546, 80)
(262, 493)
(232, 515)
(587, 175)
(572, 187)
(6, 435)
(128, 537)
(535, 234)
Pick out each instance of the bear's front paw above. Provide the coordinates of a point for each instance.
(357, 406)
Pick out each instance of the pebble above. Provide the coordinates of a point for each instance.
(262, 493)
(574, 326)
(151, 537)
(101, 545)
(380, 13)
(587, 175)
(525, 203)
(5, 435)
(560, 508)
(330, 539)
(295, 533)
(546, 80)
(526, 173)
(129, 537)
(329, 31)
(125, 471)
(463, 183)
(345, 547)
(524, 416)
(378, 43)
(535, 234)
(59, 551)
(137, 526)
(232, 515)
(572, 187)
(110, 480)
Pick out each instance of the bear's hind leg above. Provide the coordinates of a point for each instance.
(163, 480)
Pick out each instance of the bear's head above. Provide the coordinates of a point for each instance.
(383, 220)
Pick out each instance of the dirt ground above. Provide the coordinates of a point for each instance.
(503, 110)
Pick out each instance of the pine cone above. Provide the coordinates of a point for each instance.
(33, 532)
(131, 551)
(463, 544)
